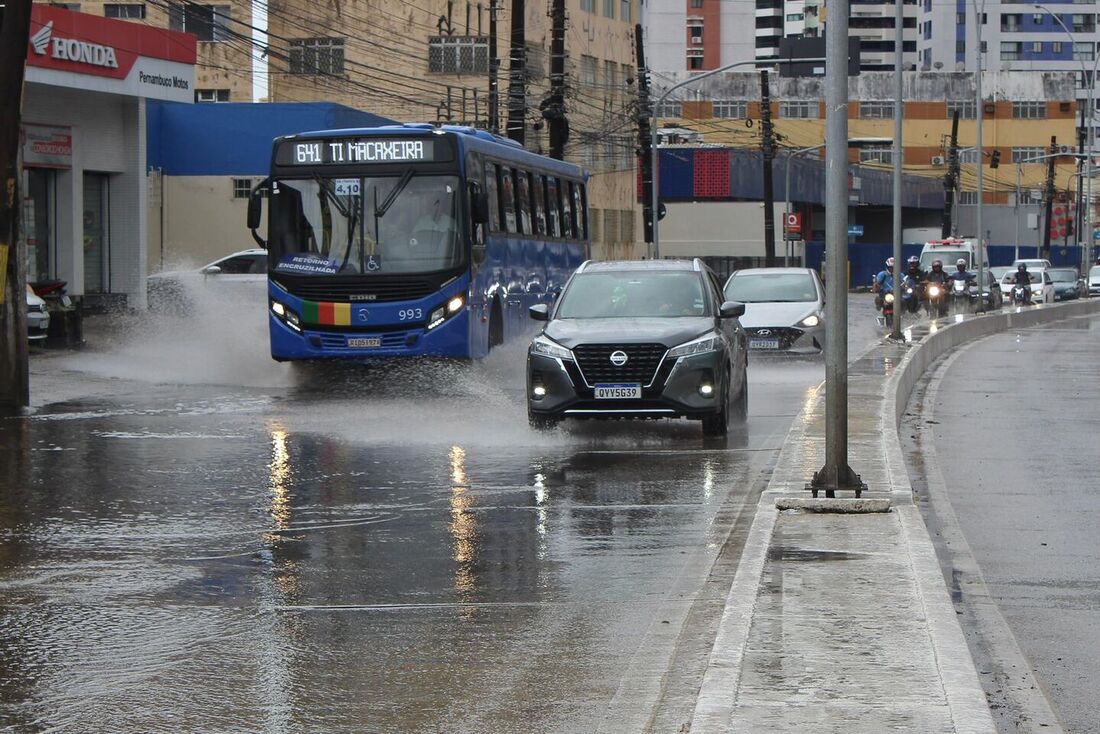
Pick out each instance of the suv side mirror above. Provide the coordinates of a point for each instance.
(211, 270)
(539, 312)
(731, 310)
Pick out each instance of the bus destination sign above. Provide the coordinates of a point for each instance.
(352, 151)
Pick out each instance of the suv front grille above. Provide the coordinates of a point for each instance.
(594, 361)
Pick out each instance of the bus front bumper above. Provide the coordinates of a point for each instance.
(449, 339)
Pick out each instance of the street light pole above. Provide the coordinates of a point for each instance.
(653, 136)
(1090, 137)
(836, 474)
(979, 12)
(899, 89)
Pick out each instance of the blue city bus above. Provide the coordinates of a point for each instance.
(411, 240)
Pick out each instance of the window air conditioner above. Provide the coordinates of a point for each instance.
(937, 160)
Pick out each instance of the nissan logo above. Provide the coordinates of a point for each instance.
(619, 358)
(764, 332)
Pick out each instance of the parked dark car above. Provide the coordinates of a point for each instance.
(639, 339)
(1067, 284)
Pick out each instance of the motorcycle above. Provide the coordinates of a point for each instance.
(910, 295)
(886, 317)
(1021, 295)
(935, 300)
(960, 296)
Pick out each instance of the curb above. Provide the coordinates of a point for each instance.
(966, 700)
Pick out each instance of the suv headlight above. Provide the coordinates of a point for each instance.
(810, 321)
(702, 345)
(549, 348)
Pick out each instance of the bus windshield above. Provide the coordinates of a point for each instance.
(401, 223)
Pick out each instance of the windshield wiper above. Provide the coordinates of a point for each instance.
(380, 211)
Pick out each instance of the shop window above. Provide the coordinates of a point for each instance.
(129, 11)
(316, 56)
(96, 226)
(211, 95)
(242, 188)
(41, 191)
(207, 22)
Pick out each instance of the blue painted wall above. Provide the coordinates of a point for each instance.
(228, 139)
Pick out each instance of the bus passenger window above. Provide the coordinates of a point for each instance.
(567, 211)
(538, 201)
(508, 201)
(553, 204)
(523, 201)
(492, 193)
(579, 208)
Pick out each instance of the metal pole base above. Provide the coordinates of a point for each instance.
(833, 478)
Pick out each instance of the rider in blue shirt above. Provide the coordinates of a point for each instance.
(961, 272)
(884, 282)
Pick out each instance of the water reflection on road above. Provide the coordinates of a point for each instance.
(356, 551)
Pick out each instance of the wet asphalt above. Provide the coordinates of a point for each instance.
(194, 538)
(1016, 433)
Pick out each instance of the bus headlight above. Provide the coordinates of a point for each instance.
(455, 304)
(436, 318)
(441, 314)
(286, 315)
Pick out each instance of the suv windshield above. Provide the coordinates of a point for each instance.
(771, 288)
(633, 294)
(377, 224)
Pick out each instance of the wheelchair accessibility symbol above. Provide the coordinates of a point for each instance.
(374, 262)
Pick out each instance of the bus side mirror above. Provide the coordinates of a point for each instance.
(255, 209)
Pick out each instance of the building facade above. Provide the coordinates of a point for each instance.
(432, 62)
(223, 70)
(1015, 37)
(699, 35)
(84, 154)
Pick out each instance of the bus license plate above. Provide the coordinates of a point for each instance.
(374, 341)
(763, 344)
(618, 391)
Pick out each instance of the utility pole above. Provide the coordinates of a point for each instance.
(768, 133)
(517, 74)
(836, 474)
(553, 109)
(14, 376)
(899, 111)
(494, 70)
(1048, 197)
(644, 136)
(951, 178)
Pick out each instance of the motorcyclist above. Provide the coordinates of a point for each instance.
(1023, 278)
(915, 276)
(936, 274)
(884, 282)
(961, 273)
(914, 270)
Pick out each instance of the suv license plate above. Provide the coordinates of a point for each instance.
(625, 391)
(375, 341)
(763, 344)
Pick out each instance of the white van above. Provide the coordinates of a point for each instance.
(949, 251)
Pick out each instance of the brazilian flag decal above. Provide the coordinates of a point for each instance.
(327, 314)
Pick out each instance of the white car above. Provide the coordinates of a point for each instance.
(244, 271)
(1094, 280)
(1042, 287)
(784, 308)
(38, 318)
(1035, 263)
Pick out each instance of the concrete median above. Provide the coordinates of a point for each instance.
(841, 621)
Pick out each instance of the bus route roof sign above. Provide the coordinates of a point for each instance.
(353, 151)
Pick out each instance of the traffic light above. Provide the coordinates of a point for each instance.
(995, 159)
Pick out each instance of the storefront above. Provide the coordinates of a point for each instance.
(84, 147)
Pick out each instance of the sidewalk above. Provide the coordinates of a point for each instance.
(842, 622)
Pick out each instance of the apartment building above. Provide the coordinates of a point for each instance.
(430, 61)
(1015, 36)
(699, 35)
(223, 72)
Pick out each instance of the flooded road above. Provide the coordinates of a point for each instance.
(195, 538)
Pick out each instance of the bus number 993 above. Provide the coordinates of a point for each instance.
(410, 313)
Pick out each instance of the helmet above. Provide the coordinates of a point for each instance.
(937, 264)
(889, 262)
(914, 260)
(961, 262)
(1022, 268)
